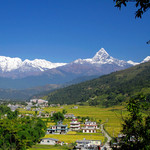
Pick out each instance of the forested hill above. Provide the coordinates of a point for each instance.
(107, 90)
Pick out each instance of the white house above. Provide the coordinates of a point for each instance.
(58, 129)
(48, 141)
(88, 144)
(39, 101)
(75, 125)
(90, 127)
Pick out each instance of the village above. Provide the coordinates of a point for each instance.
(73, 125)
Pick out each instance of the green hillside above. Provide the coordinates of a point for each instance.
(107, 90)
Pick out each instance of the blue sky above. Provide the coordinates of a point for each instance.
(65, 30)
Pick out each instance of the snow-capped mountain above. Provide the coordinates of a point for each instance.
(101, 63)
(14, 67)
(100, 58)
(29, 73)
(40, 64)
(146, 59)
(132, 63)
(8, 64)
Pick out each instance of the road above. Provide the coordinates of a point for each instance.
(107, 136)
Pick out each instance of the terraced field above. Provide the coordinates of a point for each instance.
(112, 116)
(71, 138)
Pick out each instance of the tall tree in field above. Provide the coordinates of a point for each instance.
(57, 117)
(136, 127)
(64, 111)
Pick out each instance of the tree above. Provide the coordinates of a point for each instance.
(4, 109)
(20, 133)
(64, 111)
(57, 117)
(85, 118)
(136, 128)
(99, 121)
(142, 5)
(12, 115)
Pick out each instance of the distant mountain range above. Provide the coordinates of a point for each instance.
(25, 94)
(18, 74)
(16, 68)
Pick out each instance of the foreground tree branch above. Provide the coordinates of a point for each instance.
(142, 5)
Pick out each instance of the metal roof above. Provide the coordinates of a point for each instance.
(50, 139)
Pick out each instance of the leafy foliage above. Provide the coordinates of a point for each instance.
(143, 5)
(20, 133)
(4, 109)
(12, 115)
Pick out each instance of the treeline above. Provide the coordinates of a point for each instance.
(107, 90)
(19, 133)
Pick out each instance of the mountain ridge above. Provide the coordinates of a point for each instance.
(107, 90)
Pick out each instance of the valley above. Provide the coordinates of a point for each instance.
(84, 101)
(98, 107)
(74, 75)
